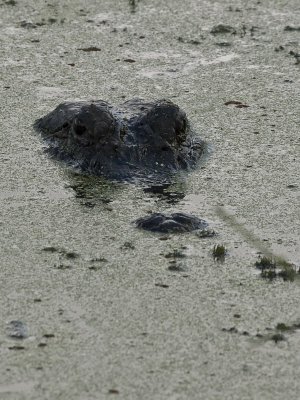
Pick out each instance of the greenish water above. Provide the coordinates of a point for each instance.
(104, 311)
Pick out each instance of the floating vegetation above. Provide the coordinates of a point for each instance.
(267, 266)
(98, 259)
(133, 5)
(219, 252)
(13, 3)
(175, 254)
(70, 255)
(271, 269)
(288, 272)
(278, 337)
(280, 332)
(265, 263)
(128, 246)
(269, 274)
(271, 265)
(281, 326)
(62, 266)
(174, 264)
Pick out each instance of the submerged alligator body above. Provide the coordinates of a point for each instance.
(138, 139)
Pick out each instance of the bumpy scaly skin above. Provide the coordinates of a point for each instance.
(172, 223)
(137, 139)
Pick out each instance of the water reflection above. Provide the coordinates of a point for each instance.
(92, 190)
(169, 193)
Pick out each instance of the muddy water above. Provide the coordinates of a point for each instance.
(105, 314)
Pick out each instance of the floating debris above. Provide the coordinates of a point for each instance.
(222, 29)
(89, 49)
(235, 103)
(17, 330)
(162, 285)
(289, 28)
(129, 60)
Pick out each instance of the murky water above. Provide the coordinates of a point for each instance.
(106, 314)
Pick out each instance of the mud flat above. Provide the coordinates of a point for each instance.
(93, 308)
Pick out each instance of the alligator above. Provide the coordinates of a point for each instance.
(138, 140)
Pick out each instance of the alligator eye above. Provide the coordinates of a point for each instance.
(79, 130)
